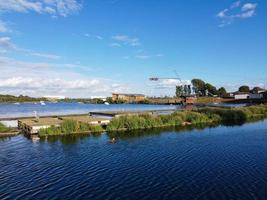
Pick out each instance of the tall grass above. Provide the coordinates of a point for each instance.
(238, 115)
(133, 122)
(70, 127)
(203, 116)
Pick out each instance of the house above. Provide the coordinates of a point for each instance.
(255, 96)
(257, 90)
(241, 95)
(128, 97)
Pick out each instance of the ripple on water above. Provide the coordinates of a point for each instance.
(217, 163)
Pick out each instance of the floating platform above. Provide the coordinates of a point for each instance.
(32, 126)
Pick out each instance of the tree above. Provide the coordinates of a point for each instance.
(244, 88)
(187, 90)
(211, 89)
(179, 90)
(183, 90)
(199, 87)
(222, 92)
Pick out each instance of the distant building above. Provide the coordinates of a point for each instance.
(53, 98)
(128, 97)
(257, 90)
(241, 95)
(255, 96)
(104, 98)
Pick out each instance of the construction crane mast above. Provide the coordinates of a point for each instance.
(186, 89)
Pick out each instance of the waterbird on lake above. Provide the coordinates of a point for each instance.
(113, 140)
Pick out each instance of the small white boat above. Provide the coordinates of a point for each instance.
(106, 103)
(17, 103)
(42, 103)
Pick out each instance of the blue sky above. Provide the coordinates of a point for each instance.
(96, 47)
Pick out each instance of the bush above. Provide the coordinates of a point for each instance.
(69, 127)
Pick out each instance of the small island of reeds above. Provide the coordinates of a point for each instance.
(201, 116)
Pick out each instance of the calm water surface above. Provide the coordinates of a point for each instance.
(27, 109)
(213, 163)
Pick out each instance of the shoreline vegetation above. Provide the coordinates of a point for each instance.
(149, 100)
(19, 99)
(71, 127)
(4, 129)
(198, 117)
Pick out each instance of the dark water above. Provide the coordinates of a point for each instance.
(213, 163)
(27, 109)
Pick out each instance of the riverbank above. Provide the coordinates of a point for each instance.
(202, 116)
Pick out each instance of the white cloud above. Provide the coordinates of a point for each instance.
(148, 56)
(170, 83)
(249, 6)
(126, 40)
(6, 44)
(3, 27)
(43, 55)
(40, 86)
(39, 79)
(235, 4)
(98, 37)
(53, 7)
(115, 44)
(236, 11)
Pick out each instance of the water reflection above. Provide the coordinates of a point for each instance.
(69, 139)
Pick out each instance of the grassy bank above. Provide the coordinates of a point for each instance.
(70, 127)
(204, 116)
(4, 129)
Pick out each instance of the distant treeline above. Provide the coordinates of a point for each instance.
(21, 98)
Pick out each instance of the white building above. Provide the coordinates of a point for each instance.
(54, 97)
(241, 96)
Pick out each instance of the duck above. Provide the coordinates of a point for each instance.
(113, 140)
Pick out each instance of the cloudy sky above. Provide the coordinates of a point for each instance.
(83, 48)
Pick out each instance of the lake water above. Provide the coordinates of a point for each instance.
(212, 163)
(27, 109)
